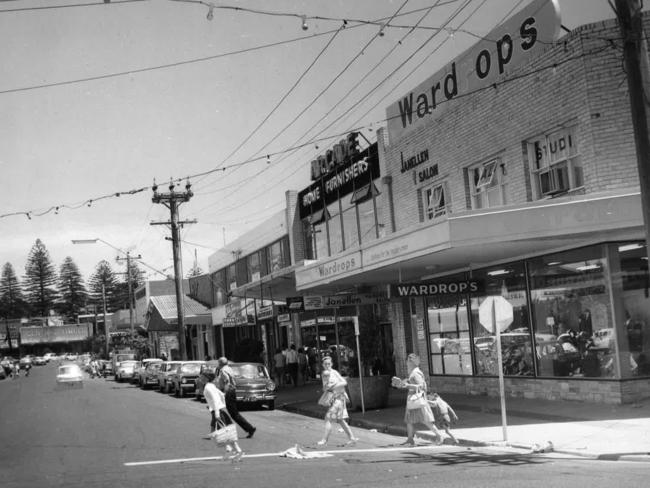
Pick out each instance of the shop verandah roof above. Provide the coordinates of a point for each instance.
(163, 314)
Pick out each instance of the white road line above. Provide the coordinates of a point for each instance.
(277, 454)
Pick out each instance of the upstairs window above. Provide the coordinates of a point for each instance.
(555, 162)
(488, 184)
(435, 201)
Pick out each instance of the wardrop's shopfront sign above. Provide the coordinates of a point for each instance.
(433, 288)
(506, 47)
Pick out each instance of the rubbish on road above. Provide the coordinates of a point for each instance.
(297, 452)
(547, 447)
(373, 430)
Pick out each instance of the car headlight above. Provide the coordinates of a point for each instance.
(270, 385)
(183, 380)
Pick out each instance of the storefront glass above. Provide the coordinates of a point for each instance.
(334, 228)
(367, 221)
(631, 285)
(574, 329)
(449, 339)
(350, 224)
(508, 281)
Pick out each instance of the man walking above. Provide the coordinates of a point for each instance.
(292, 364)
(226, 383)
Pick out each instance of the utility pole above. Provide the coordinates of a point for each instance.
(130, 287)
(172, 200)
(107, 331)
(635, 55)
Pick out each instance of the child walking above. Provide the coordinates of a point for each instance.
(443, 413)
(216, 401)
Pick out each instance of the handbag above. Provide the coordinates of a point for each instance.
(326, 398)
(416, 400)
(225, 434)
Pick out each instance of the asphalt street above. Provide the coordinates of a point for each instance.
(117, 435)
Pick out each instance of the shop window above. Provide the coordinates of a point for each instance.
(315, 232)
(335, 228)
(278, 254)
(218, 288)
(254, 267)
(488, 184)
(231, 276)
(631, 284)
(517, 353)
(555, 162)
(350, 225)
(572, 317)
(449, 337)
(435, 201)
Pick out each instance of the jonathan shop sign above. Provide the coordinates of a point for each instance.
(506, 47)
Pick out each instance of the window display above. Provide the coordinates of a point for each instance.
(631, 284)
(570, 298)
(508, 281)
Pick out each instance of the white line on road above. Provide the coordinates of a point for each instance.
(277, 454)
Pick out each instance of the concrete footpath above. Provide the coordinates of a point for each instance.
(596, 431)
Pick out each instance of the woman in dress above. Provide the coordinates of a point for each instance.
(423, 415)
(334, 383)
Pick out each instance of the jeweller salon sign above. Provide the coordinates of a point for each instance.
(523, 36)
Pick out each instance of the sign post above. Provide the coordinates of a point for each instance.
(356, 335)
(495, 314)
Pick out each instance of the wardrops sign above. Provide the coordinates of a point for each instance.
(505, 48)
(433, 288)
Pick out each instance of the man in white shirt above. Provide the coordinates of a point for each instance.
(227, 383)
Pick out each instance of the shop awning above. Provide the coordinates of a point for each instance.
(163, 316)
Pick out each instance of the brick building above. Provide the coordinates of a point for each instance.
(521, 184)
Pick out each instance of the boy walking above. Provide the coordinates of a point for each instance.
(443, 413)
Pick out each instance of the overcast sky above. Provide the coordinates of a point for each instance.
(98, 99)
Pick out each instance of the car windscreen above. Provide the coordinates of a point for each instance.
(69, 370)
(124, 357)
(128, 364)
(153, 366)
(250, 371)
(190, 368)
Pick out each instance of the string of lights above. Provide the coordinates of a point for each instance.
(321, 93)
(302, 137)
(55, 208)
(74, 5)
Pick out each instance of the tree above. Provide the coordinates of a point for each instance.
(137, 280)
(103, 275)
(12, 302)
(40, 279)
(72, 289)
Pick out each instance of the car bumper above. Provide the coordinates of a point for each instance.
(255, 397)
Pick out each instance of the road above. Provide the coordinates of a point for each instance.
(117, 435)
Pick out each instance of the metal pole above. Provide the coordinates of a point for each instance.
(502, 393)
(106, 328)
(130, 285)
(356, 335)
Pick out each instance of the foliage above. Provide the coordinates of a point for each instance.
(122, 288)
(103, 275)
(12, 302)
(40, 278)
(71, 288)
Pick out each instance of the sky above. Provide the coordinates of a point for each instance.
(102, 99)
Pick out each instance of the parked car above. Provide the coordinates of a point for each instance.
(254, 385)
(69, 375)
(140, 367)
(184, 377)
(125, 371)
(167, 368)
(106, 368)
(149, 376)
(39, 361)
(202, 380)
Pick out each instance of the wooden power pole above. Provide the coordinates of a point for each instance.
(172, 200)
(635, 55)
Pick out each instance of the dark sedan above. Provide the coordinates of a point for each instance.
(184, 377)
(254, 386)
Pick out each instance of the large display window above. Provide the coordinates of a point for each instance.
(508, 281)
(631, 285)
(570, 298)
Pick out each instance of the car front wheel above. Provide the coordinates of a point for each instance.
(271, 404)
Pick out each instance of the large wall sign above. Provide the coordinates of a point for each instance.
(341, 181)
(63, 333)
(505, 48)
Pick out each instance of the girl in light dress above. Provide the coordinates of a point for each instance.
(334, 383)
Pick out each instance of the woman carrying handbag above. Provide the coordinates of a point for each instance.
(418, 410)
(335, 399)
(222, 428)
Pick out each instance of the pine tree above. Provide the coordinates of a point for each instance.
(136, 275)
(12, 302)
(40, 278)
(103, 275)
(72, 289)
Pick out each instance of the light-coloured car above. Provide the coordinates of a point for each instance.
(69, 375)
(254, 386)
(184, 377)
(125, 371)
(140, 369)
(149, 376)
(167, 369)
